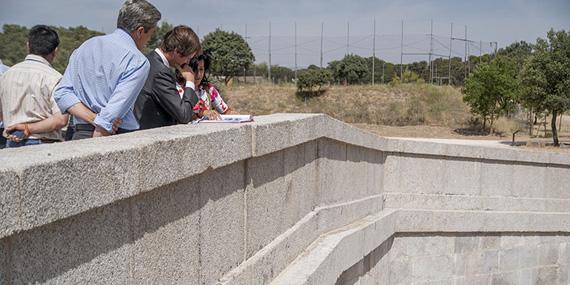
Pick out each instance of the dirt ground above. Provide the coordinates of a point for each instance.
(522, 140)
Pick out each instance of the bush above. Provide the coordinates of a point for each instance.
(311, 81)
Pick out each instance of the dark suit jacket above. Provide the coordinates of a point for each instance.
(158, 103)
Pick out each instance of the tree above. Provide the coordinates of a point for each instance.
(157, 36)
(350, 70)
(519, 52)
(546, 77)
(492, 90)
(14, 38)
(230, 53)
(408, 77)
(309, 79)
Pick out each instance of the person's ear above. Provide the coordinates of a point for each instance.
(140, 31)
(28, 46)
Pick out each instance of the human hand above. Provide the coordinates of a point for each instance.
(18, 132)
(116, 124)
(212, 115)
(100, 132)
(186, 72)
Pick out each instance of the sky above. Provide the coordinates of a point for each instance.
(501, 21)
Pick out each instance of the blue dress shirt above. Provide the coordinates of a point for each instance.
(106, 74)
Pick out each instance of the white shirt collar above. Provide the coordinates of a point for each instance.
(164, 60)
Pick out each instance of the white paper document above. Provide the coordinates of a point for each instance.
(231, 119)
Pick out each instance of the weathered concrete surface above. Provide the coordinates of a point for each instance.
(246, 203)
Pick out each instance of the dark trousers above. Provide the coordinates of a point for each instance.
(2, 139)
(85, 131)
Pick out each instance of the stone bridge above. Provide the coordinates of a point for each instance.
(289, 199)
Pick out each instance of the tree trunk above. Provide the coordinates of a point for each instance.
(530, 125)
(554, 131)
(484, 123)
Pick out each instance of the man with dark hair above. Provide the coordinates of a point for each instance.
(106, 73)
(29, 111)
(159, 103)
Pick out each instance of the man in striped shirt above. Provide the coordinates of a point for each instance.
(28, 109)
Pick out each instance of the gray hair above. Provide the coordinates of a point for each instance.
(138, 13)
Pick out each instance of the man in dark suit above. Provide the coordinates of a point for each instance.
(159, 103)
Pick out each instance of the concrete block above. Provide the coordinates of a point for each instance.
(462, 176)
(280, 131)
(9, 202)
(547, 275)
(180, 155)
(459, 264)
(351, 275)
(401, 271)
(222, 221)
(548, 254)
(300, 168)
(332, 217)
(509, 259)
(564, 258)
(466, 243)
(511, 241)
(274, 258)
(391, 179)
(563, 275)
(427, 268)
(474, 280)
(556, 182)
(482, 262)
(528, 256)
(529, 181)
(528, 276)
(363, 167)
(60, 189)
(5, 262)
(93, 247)
(496, 178)
(505, 278)
(490, 242)
(266, 193)
(417, 177)
(333, 175)
(167, 234)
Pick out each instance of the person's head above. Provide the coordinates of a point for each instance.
(43, 41)
(139, 18)
(179, 45)
(200, 64)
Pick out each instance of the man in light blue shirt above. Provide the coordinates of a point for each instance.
(106, 73)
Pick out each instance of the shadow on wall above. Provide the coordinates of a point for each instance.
(192, 229)
(357, 271)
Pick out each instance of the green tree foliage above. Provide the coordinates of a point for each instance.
(546, 77)
(408, 77)
(312, 80)
(281, 74)
(157, 36)
(519, 52)
(352, 69)
(231, 53)
(388, 71)
(492, 90)
(14, 38)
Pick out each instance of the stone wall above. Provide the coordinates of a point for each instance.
(289, 199)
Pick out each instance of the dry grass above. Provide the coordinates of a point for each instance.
(406, 110)
(406, 104)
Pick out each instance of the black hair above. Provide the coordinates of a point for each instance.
(205, 56)
(42, 40)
